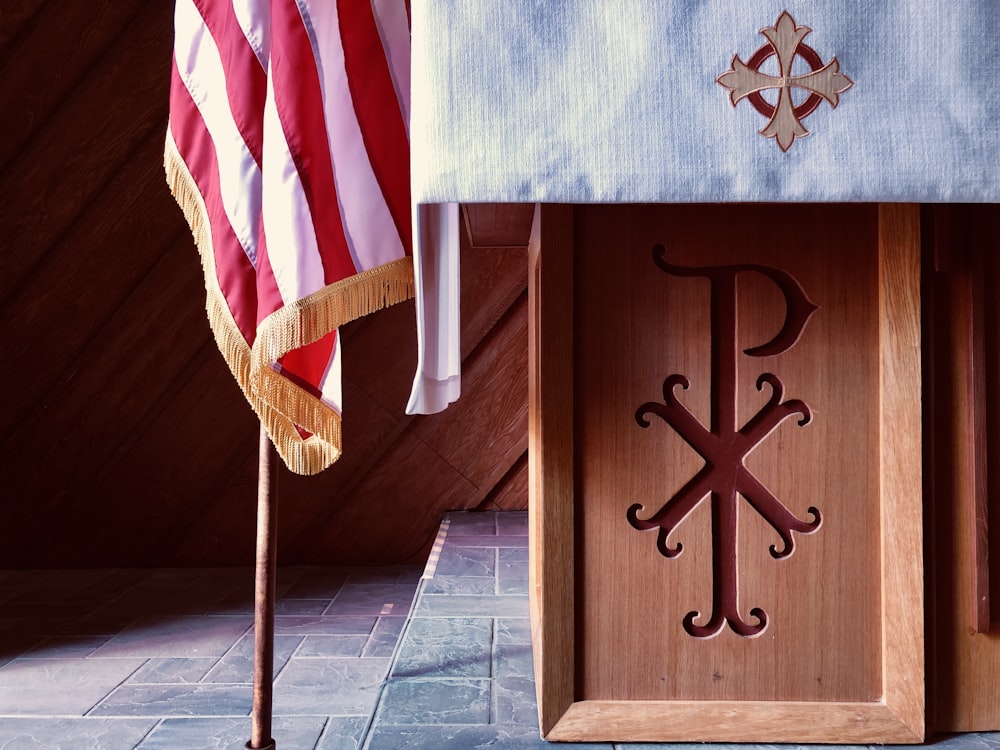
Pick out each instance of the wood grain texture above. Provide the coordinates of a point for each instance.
(86, 143)
(830, 641)
(550, 460)
(47, 325)
(690, 721)
(34, 82)
(511, 492)
(498, 224)
(963, 494)
(901, 459)
(18, 17)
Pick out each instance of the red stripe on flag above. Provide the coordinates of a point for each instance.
(299, 104)
(384, 133)
(233, 269)
(246, 80)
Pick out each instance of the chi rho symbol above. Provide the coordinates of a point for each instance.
(724, 446)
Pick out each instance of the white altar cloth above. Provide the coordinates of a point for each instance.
(617, 101)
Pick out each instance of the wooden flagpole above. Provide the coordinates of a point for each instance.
(267, 485)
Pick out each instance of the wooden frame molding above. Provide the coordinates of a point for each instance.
(897, 715)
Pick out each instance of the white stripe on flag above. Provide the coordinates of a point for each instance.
(200, 67)
(291, 247)
(332, 384)
(394, 28)
(370, 230)
(254, 17)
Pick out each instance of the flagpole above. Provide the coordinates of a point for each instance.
(263, 669)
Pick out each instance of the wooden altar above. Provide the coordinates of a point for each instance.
(759, 437)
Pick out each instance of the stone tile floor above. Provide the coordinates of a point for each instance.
(388, 658)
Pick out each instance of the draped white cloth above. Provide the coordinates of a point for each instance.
(598, 101)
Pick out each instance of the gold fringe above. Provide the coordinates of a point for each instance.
(279, 403)
(306, 321)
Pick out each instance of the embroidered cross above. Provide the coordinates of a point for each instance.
(745, 80)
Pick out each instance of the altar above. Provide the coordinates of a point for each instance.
(763, 366)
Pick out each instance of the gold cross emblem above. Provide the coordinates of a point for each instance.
(745, 80)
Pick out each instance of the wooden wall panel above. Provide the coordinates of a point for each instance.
(17, 20)
(511, 492)
(498, 224)
(68, 308)
(49, 59)
(485, 431)
(87, 141)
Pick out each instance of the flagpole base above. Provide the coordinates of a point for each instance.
(269, 746)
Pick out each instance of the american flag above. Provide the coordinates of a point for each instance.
(287, 148)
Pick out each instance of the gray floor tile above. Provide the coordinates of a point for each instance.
(60, 686)
(512, 577)
(316, 583)
(66, 647)
(373, 599)
(513, 660)
(311, 625)
(331, 645)
(513, 554)
(732, 746)
(514, 523)
(513, 630)
(229, 733)
(188, 636)
(300, 606)
(385, 574)
(38, 733)
(514, 701)
(180, 665)
(177, 700)
(506, 541)
(236, 665)
(443, 584)
(466, 561)
(493, 737)
(385, 635)
(431, 605)
(333, 686)
(343, 733)
(972, 741)
(466, 523)
(35, 629)
(446, 647)
(158, 600)
(435, 701)
(173, 671)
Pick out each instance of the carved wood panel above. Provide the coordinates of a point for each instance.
(745, 424)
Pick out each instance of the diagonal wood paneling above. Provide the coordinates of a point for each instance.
(124, 440)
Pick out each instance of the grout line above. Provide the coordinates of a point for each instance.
(115, 689)
(146, 736)
(326, 725)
